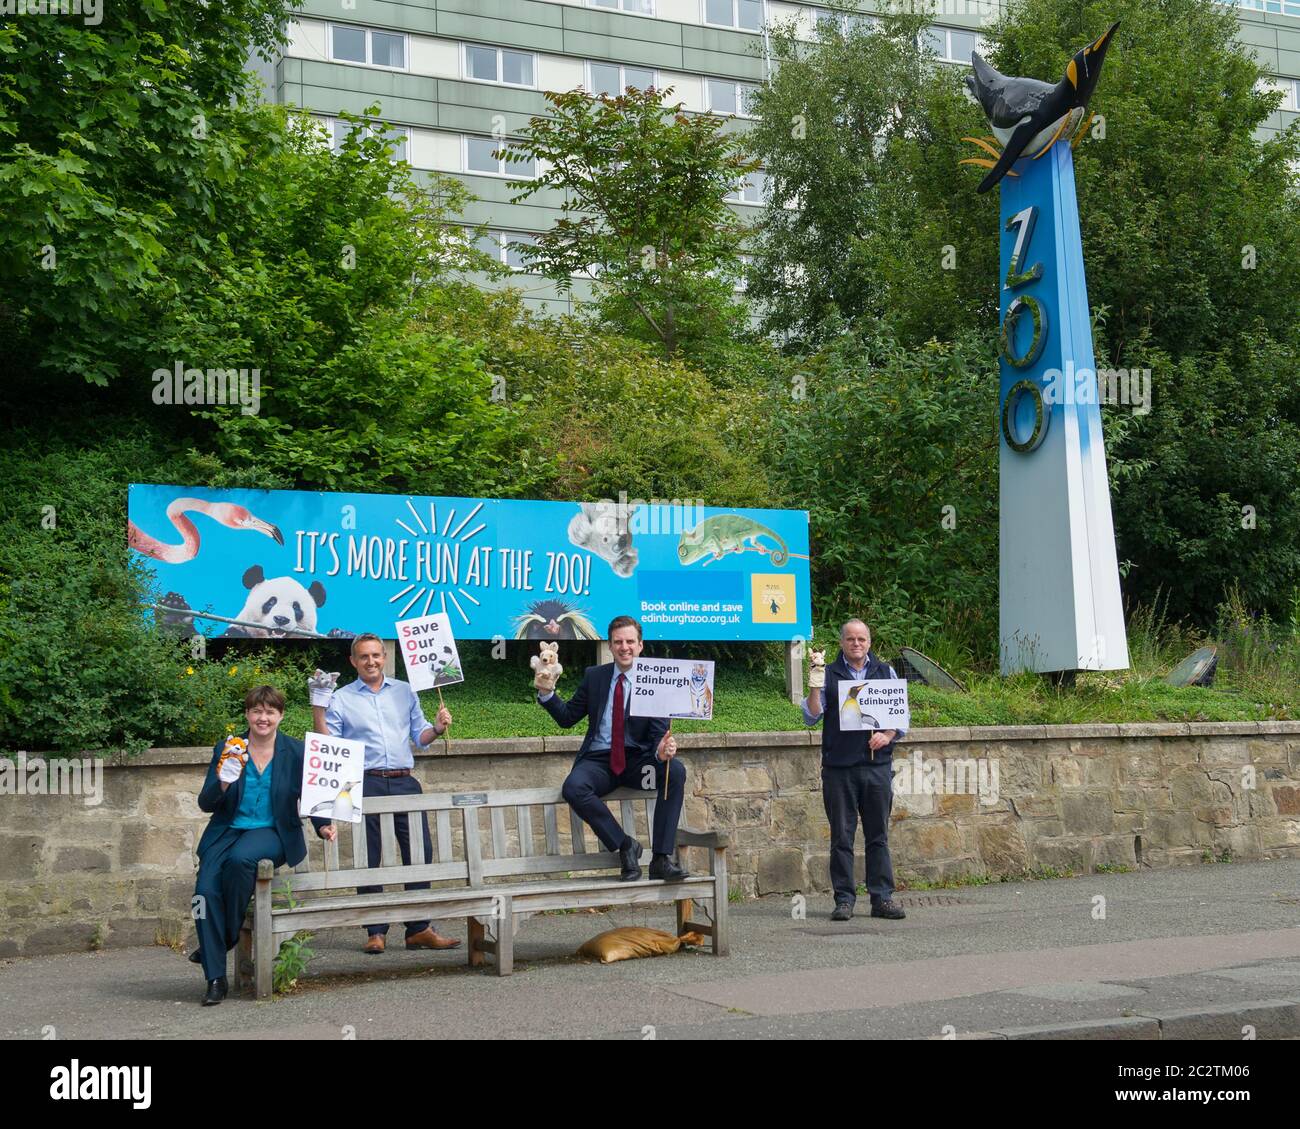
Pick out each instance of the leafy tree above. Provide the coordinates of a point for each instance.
(644, 209)
(599, 413)
(892, 452)
(119, 142)
(324, 296)
(870, 215)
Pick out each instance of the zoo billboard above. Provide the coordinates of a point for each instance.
(290, 563)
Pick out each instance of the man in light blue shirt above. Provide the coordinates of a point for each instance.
(386, 715)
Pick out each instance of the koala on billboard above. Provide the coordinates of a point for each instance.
(603, 528)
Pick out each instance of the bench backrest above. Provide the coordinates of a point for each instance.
(476, 836)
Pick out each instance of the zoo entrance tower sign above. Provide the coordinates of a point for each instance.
(1060, 607)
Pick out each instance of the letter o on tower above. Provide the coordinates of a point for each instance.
(1009, 412)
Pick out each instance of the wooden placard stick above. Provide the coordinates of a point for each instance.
(667, 763)
(446, 744)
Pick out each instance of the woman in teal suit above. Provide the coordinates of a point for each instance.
(252, 790)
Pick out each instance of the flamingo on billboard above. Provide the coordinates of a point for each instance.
(226, 513)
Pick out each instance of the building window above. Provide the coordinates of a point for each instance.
(612, 79)
(506, 247)
(367, 45)
(843, 22)
(1295, 95)
(751, 190)
(512, 243)
(637, 7)
(489, 242)
(727, 97)
(951, 44)
(1280, 7)
(480, 158)
(744, 14)
(400, 135)
(497, 64)
(742, 278)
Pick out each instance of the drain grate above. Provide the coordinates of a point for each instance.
(923, 901)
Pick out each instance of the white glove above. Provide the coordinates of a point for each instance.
(321, 686)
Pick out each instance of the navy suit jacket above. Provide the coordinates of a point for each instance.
(286, 787)
(641, 735)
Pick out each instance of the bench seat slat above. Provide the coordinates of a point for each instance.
(375, 876)
(388, 840)
(578, 833)
(415, 836)
(473, 850)
(360, 855)
(444, 836)
(498, 832)
(524, 819)
(549, 864)
(509, 798)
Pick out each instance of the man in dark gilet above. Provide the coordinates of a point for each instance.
(857, 776)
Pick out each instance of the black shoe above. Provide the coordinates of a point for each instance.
(664, 868)
(629, 858)
(216, 992)
(842, 911)
(196, 957)
(890, 909)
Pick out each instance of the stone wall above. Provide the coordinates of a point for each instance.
(1069, 798)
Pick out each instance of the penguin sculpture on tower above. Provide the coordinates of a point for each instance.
(1027, 115)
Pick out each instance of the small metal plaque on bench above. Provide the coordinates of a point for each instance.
(468, 799)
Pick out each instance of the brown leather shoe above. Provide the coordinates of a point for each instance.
(374, 944)
(428, 939)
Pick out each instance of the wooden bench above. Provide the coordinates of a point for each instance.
(502, 857)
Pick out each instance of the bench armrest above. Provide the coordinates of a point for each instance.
(689, 837)
(265, 869)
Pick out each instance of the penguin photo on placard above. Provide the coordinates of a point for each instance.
(343, 806)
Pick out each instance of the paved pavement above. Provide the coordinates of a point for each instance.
(1192, 952)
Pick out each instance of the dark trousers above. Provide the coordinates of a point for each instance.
(227, 874)
(591, 778)
(394, 786)
(865, 790)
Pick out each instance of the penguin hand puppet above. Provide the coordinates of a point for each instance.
(1028, 116)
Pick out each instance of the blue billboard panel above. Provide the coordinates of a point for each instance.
(281, 563)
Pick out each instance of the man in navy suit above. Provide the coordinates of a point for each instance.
(619, 751)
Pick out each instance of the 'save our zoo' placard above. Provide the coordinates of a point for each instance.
(429, 651)
(333, 771)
